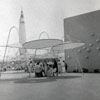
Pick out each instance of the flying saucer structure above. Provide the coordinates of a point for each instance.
(42, 43)
(67, 45)
(15, 45)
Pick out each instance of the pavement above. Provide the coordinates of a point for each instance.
(13, 75)
(67, 86)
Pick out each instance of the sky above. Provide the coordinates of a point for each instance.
(40, 16)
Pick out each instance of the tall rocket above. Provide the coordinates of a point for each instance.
(22, 32)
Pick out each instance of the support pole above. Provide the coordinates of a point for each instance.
(39, 38)
(55, 57)
(7, 46)
(76, 57)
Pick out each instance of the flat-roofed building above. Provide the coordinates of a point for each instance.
(84, 27)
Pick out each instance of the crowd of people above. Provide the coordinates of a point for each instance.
(45, 68)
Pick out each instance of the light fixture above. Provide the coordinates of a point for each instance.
(69, 57)
(90, 44)
(84, 47)
(88, 50)
(97, 40)
(79, 51)
(98, 48)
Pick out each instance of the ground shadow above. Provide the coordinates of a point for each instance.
(68, 77)
(44, 79)
(39, 80)
(36, 80)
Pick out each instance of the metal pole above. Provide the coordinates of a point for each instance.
(7, 56)
(55, 59)
(53, 52)
(39, 38)
(76, 57)
(43, 33)
(26, 63)
(7, 46)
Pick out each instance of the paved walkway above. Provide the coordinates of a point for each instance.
(68, 86)
(13, 75)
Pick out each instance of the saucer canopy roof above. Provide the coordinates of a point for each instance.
(67, 45)
(42, 43)
(14, 45)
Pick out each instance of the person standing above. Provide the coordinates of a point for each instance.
(30, 68)
(59, 66)
(55, 67)
(66, 66)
